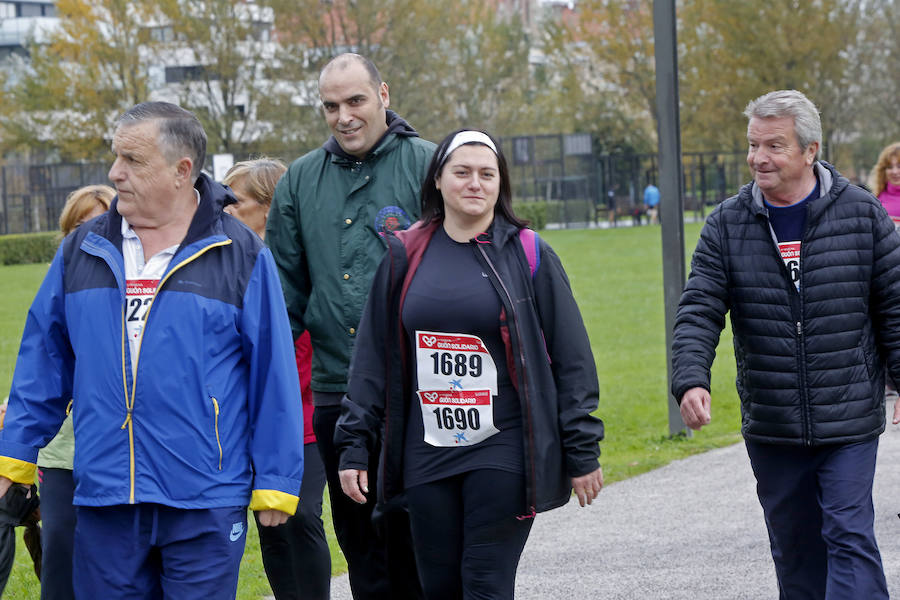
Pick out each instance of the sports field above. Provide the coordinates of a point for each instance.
(617, 278)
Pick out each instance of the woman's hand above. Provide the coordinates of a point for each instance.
(355, 483)
(586, 487)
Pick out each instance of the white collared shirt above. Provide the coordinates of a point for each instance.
(142, 278)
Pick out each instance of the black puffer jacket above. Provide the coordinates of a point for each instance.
(557, 395)
(810, 364)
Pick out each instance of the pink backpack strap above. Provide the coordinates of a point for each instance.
(531, 244)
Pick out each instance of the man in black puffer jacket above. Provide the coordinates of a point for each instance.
(808, 265)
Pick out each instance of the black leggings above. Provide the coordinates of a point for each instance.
(467, 536)
(295, 555)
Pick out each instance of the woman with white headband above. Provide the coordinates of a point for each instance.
(473, 375)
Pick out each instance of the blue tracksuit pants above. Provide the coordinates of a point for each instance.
(150, 551)
(820, 516)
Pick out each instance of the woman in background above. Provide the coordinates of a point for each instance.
(55, 460)
(884, 180)
(295, 555)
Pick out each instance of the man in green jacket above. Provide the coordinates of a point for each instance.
(324, 230)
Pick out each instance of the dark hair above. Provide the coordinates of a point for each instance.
(342, 61)
(433, 200)
(180, 131)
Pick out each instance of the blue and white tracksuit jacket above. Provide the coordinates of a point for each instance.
(213, 411)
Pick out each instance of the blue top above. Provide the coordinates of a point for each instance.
(211, 415)
(651, 195)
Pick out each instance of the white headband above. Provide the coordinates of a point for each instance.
(467, 137)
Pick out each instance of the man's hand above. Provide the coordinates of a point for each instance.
(588, 486)
(272, 517)
(695, 408)
(355, 483)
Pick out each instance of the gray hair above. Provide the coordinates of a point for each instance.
(180, 131)
(789, 103)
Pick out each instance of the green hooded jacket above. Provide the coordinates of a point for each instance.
(324, 229)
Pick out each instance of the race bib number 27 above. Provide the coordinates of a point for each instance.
(457, 382)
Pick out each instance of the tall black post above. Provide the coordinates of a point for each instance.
(671, 205)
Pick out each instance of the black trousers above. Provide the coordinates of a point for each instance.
(58, 533)
(295, 555)
(381, 564)
(468, 535)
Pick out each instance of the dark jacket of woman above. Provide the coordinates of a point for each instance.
(547, 352)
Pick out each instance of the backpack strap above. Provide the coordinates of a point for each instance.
(531, 244)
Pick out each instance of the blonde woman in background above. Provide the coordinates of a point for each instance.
(84, 204)
(55, 460)
(295, 555)
(884, 180)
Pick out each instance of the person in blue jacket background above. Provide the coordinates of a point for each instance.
(164, 319)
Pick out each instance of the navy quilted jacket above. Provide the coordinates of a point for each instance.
(810, 363)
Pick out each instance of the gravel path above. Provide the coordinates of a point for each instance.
(692, 530)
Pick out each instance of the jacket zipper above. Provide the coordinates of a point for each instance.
(218, 441)
(804, 396)
(801, 350)
(523, 384)
(129, 422)
(804, 399)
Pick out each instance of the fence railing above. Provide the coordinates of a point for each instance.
(580, 187)
(32, 196)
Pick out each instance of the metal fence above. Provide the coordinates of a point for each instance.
(32, 196)
(580, 187)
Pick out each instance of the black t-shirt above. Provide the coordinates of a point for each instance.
(451, 294)
(789, 223)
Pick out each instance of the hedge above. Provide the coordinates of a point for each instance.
(24, 248)
(533, 212)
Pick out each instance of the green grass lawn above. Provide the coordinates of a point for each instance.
(617, 278)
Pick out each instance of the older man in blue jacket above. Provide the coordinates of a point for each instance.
(808, 265)
(164, 323)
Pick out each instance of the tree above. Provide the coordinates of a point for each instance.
(448, 64)
(218, 51)
(735, 51)
(876, 68)
(618, 35)
(62, 100)
(573, 91)
(111, 54)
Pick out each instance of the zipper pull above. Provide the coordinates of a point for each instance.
(799, 328)
(127, 419)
